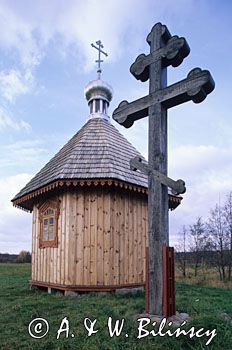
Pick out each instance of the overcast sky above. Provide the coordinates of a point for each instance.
(45, 62)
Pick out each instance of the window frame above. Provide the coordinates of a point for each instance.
(54, 205)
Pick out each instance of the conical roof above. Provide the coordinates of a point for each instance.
(96, 151)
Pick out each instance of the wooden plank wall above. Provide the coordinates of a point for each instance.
(102, 236)
(129, 233)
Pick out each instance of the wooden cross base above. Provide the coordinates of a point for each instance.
(169, 304)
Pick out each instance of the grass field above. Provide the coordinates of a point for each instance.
(206, 276)
(208, 307)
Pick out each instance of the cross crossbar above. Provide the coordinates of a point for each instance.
(198, 84)
(172, 54)
(178, 187)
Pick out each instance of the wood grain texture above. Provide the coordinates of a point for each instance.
(157, 193)
(93, 239)
(63, 237)
(72, 237)
(33, 253)
(101, 240)
(80, 238)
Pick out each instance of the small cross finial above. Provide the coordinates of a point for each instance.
(99, 48)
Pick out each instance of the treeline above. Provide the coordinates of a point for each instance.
(22, 257)
(207, 257)
(208, 241)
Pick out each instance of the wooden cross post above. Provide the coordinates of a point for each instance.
(165, 50)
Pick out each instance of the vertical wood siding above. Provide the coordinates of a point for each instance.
(102, 236)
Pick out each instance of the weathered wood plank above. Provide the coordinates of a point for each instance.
(122, 241)
(33, 254)
(93, 239)
(87, 239)
(49, 267)
(115, 231)
(139, 241)
(100, 238)
(43, 271)
(157, 193)
(127, 240)
(144, 236)
(80, 223)
(39, 250)
(135, 239)
(36, 277)
(58, 276)
(67, 237)
(55, 263)
(72, 237)
(63, 237)
(107, 238)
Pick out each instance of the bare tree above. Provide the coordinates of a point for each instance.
(216, 226)
(227, 213)
(181, 250)
(198, 242)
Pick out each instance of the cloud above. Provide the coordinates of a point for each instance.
(15, 233)
(26, 154)
(13, 83)
(199, 160)
(88, 22)
(19, 34)
(30, 27)
(207, 172)
(24, 49)
(7, 122)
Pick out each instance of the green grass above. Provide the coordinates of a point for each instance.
(19, 306)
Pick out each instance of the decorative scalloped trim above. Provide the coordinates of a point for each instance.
(88, 182)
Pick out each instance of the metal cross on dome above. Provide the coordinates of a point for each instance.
(99, 48)
(165, 50)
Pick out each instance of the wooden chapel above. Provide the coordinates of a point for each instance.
(89, 209)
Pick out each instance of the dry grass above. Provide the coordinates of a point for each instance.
(207, 276)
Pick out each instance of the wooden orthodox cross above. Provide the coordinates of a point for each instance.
(165, 50)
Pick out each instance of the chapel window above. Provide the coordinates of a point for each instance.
(48, 215)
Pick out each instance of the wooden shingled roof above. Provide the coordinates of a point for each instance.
(96, 151)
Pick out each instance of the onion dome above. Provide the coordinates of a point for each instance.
(98, 94)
